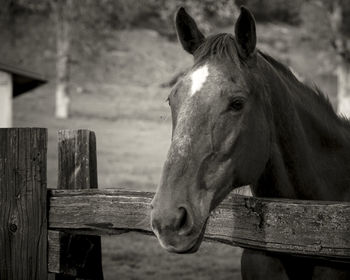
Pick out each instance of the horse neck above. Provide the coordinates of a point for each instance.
(310, 146)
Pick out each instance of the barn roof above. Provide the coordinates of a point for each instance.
(23, 80)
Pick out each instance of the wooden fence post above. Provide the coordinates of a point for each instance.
(77, 169)
(23, 221)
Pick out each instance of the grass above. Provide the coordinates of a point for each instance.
(118, 95)
(146, 260)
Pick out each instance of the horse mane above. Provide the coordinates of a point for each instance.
(279, 66)
(313, 90)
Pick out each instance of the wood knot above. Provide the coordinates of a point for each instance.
(13, 228)
(257, 209)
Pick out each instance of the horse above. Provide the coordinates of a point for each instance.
(240, 117)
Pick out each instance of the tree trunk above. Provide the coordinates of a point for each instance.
(63, 10)
(343, 73)
(341, 44)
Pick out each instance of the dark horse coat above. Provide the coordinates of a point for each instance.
(242, 118)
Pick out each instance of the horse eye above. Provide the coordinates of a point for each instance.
(236, 105)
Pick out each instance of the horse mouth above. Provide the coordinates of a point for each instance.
(193, 245)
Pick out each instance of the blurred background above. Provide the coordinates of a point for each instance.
(108, 67)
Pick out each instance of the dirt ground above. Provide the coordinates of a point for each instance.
(118, 95)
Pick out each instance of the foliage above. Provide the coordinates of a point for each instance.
(119, 14)
(316, 23)
(126, 13)
(329, 6)
(328, 23)
(208, 13)
(274, 10)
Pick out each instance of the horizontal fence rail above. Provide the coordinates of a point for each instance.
(309, 228)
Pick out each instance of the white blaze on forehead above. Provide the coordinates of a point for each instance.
(198, 77)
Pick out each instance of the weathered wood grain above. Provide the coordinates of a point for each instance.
(23, 223)
(76, 256)
(309, 228)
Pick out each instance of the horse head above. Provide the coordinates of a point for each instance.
(220, 134)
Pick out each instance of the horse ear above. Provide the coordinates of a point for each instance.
(245, 33)
(187, 31)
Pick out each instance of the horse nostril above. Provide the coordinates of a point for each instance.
(181, 219)
(184, 222)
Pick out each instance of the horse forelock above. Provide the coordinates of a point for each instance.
(222, 45)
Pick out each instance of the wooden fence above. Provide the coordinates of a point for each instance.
(55, 233)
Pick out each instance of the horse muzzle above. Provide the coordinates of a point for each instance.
(176, 229)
